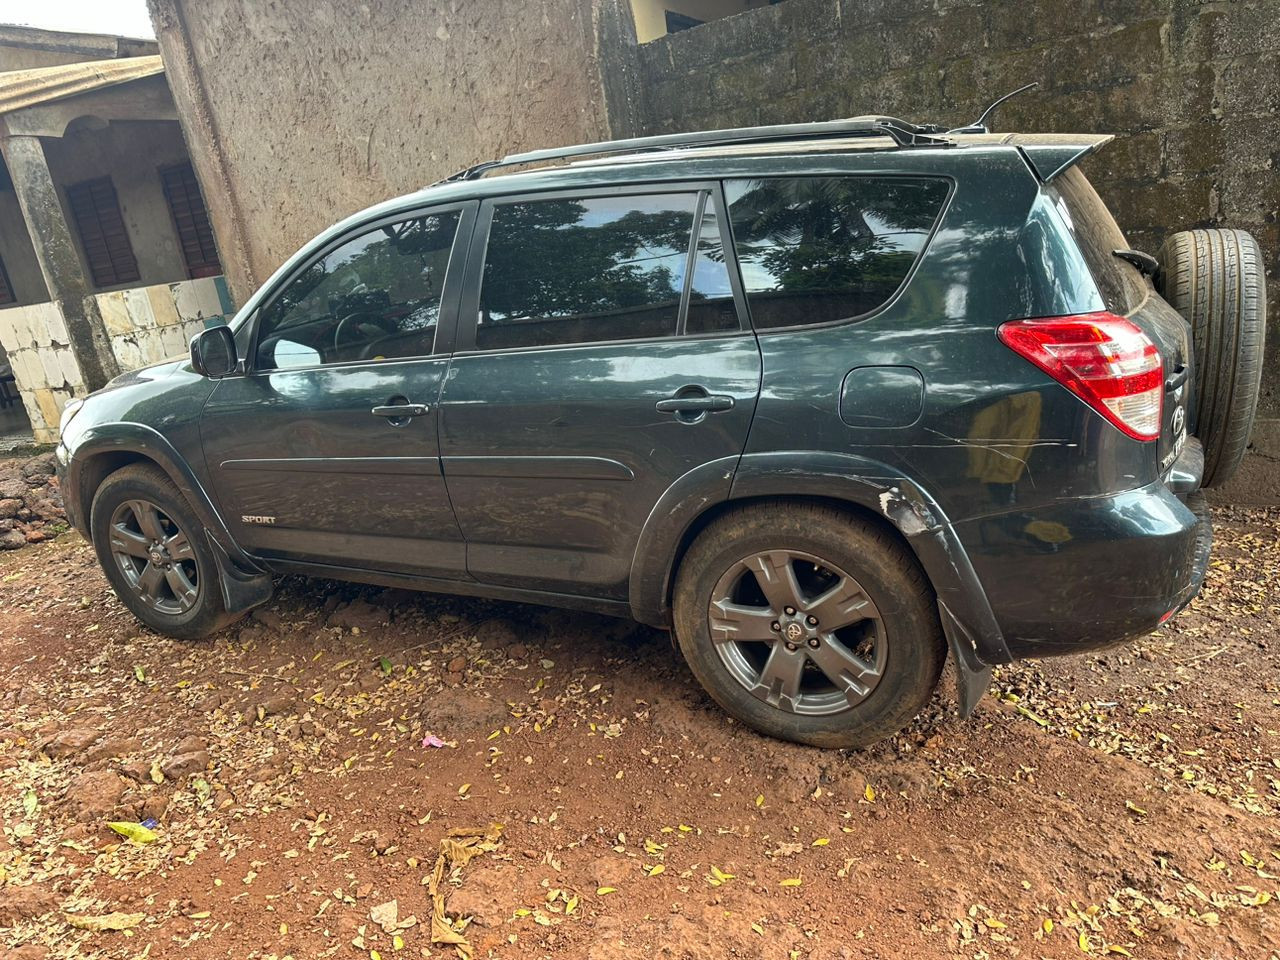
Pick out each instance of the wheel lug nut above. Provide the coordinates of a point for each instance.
(793, 647)
(775, 626)
(813, 642)
(812, 621)
(790, 611)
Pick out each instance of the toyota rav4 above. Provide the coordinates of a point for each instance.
(826, 400)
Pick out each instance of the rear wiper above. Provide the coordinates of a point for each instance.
(1145, 262)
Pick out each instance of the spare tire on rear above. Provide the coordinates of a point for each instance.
(1215, 279)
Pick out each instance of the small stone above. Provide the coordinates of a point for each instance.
(137, 770)
(24, 903)
(114, 746)
(184, 764)
(517, 651)
(275, 705)
(457, 664)
(68, 743)
(155, 807)
(382, 844)
(95, 794)
(268, 618)
(190, 744)
(9, 507)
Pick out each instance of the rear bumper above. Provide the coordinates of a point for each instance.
(1092, 573)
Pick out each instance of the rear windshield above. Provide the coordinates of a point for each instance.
(1120, 283)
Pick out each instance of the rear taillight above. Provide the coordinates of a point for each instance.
(1103, 359)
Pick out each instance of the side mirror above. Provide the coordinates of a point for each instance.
(213, 353)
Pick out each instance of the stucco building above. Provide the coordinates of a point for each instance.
(107, 258)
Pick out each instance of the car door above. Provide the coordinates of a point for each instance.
(602, 355)
(325, 450)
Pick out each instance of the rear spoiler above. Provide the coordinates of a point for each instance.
(1049, 155)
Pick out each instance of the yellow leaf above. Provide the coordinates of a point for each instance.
(993, 923)
(656, 869)
(653, 849)
(523, 911)
(495, 735)
(133, 831)
(462, 790)
(821, 842)
(374, 955)
(109, 921)
(758, 929)
(790, 882)
(869, 794)
(397, 942)
(720, 875)
(572, 905)
(603, 891)
(760, 800)
(685, 828)
(1047, 926)
(1133, 807)
(1120, 950)
(1083, 940)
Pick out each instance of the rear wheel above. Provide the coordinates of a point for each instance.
(808, 624)
(148, 541)
(1214, 278)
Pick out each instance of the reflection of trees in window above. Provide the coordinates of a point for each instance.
(825, 248)
(386, 283)
(564, 258)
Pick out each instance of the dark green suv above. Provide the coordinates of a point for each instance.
(825, 399)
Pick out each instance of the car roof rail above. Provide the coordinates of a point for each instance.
(902, 133)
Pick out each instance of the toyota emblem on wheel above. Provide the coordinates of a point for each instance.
(794, 631)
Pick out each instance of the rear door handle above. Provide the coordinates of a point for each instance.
(400, 411)
(695, 403)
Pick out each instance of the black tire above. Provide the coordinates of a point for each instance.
(882, 569)
(191, 616)
(1215, 279)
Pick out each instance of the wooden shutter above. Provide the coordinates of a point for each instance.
(102, 234)
(6, 288)
(191, 220)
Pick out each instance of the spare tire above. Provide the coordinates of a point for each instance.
(1215, 279)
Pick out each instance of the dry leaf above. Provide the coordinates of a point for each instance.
(107, 921)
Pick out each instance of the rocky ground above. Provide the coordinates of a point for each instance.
(30, 504)
(316, 771)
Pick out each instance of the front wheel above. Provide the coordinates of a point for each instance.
(148, 541)
(808, 624)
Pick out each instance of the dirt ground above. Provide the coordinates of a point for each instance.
(1116, 805)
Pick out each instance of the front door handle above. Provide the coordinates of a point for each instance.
(695, 403)
(401, 411)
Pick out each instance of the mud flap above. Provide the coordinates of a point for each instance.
(973, 676)
(241, 590)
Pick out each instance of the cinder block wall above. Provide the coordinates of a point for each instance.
(144, 325)
(1191, 89)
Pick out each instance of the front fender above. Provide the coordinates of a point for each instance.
(859, 481)
(111, 439)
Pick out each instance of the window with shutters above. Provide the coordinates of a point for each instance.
(102, 234)
(191, 220)
(6, 288)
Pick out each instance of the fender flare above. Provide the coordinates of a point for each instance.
(139, 439)
(865, 483)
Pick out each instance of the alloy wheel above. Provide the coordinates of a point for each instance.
(798, 632)
(155, 556)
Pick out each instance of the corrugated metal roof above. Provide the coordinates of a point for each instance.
(28, 88)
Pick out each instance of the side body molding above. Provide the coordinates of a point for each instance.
(856, 480)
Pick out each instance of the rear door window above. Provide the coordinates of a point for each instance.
(821, 249)
(1097, 234)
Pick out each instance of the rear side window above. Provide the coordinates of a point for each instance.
(1096, 233)
(819, 249)
(584, 270)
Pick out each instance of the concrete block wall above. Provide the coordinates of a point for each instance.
(1191, 90)
(35, 340)
(144, 325)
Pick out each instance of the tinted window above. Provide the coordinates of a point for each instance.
(1120, 283)
(376, 297)
(711, 308)
(578, 271)
(816, 249)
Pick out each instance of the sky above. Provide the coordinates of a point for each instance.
(126, 18)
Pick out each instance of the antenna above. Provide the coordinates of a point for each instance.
(980, 125)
